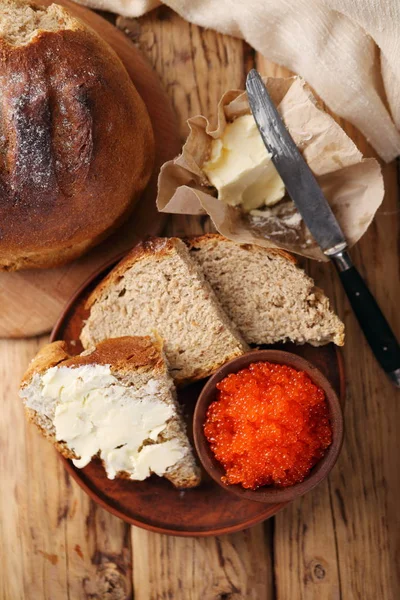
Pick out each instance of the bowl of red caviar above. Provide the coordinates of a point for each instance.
(268, 426)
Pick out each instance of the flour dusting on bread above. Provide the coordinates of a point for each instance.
(67, 99)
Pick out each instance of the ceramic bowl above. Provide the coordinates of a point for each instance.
(269, 494)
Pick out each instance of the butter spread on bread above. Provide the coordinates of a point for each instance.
(116, 402)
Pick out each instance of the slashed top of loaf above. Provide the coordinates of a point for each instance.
(21, 22)
(67, 103)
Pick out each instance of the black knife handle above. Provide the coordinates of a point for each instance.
(370, 317)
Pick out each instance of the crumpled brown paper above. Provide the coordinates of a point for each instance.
(352, 184)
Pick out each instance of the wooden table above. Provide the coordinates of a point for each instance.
(340, 541)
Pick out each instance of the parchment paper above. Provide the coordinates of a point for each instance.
(352, 184)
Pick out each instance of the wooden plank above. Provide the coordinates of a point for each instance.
(232, 566)
(305, 535)
(196, 67)
(366, 484)
(55, 542)
(338, 540)
(341, 540)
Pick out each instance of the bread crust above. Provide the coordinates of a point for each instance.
(150, 247)
(124, 354)
(77, 146)
(197, 242)
(163, 247)
(56, 355)
(192, 242)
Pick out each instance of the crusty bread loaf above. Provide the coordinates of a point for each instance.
(265, 294)
(134, 361)
(76, 144)
(158, 287)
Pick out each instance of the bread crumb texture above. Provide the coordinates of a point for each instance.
(158, 287)
(265, 294)
(21, 22)
(120, 376)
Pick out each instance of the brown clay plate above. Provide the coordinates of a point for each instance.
(155, 504)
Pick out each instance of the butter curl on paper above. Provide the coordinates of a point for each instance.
(352, 184)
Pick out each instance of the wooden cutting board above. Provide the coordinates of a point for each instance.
(31, 300)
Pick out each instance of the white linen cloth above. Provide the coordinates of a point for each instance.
(347, 50)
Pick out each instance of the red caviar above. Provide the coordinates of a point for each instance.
(268, 426)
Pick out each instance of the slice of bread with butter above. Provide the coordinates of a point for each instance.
(117, 402)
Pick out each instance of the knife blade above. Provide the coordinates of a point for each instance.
(314, 208)
(297, 176)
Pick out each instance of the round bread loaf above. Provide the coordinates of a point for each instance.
(76, 142)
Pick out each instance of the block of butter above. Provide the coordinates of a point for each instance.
(250, 207)
(240, 167)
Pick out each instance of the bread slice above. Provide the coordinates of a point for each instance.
(21, 21)
(265, 294)
(158, 287)
(117, 401)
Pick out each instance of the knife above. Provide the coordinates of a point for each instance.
(311, 203)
